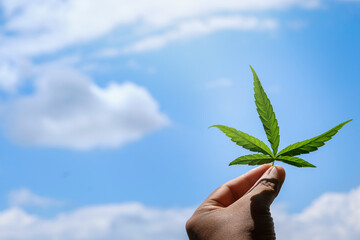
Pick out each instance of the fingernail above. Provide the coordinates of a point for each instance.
(273, 173)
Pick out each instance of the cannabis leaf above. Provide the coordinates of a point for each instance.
(266, 113)
(245, 140)
(253, 159)
(271, 127)
(312, 144)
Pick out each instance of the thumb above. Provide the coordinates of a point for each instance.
(265, 190)
(260, 197)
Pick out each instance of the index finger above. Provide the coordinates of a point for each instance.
(234, 189)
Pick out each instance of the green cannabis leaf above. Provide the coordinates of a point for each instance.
(266, 113)
(245, 140)
(271, 127)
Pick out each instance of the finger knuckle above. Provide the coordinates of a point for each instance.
(269, 185)
(190, 224)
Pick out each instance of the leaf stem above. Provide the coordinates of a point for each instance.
(273, 163)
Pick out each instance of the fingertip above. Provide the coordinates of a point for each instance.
(263, 167)
(281, 173)
(267, 164)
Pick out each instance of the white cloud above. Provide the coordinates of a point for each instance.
(68, 110)
(131, 221)
(24, 198)
(15, 218)
(12, 73)
(333, 216)
(38, 27)
(196, 28)
(43, 26)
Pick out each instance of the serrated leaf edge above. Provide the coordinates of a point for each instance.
(252, 157)
(266, 114)
(265, 148)
(286, 159)
(301, 144)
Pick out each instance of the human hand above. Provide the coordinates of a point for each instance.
(240, 208)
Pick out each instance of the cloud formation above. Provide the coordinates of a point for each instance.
(330, 217)
(25, 198)
(333, 216)
(12, 73)
(130, 221)
(68, 110)
(187, 30)
(40, 26)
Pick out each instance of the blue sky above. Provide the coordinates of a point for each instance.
(105, 108)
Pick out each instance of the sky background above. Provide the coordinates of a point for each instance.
(105, 108)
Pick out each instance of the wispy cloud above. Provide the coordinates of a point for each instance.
(68, 110)
(39, 27)
(12, 73)
(25, 198)
(196, 28)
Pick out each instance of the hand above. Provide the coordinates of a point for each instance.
(240, 208)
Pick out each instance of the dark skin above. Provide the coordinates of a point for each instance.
(240, 208)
